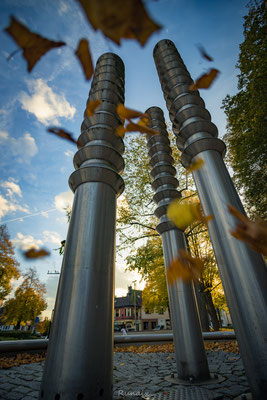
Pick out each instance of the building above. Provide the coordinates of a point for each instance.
(152, 320)
(130, 313)
(127, 311)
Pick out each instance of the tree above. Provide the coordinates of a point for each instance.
(148, 261)
(28, 301)
(43, 326)
(8, 264)
(246, 135)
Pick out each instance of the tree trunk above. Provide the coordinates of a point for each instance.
(212, 311)
(201, 302)
(17, 325)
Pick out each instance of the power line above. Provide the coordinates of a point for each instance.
(27, 216)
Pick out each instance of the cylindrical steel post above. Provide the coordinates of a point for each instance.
(79, 363)
(191, 359)
(243, 272)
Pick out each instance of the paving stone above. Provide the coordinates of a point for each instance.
(22, 389)
(7, 386)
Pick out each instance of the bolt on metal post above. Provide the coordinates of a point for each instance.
(79, 363)
(243, 272)
(191, 359)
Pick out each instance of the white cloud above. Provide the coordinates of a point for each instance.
(3, 136)
(63, 8)
(52, 237)
(8, 202)
(63, 200)
(46, 105)
(69, 153)
(44, 214)
(7, 206)
(26, 242)
(12, 188)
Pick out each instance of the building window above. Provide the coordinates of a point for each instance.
(145, 325)
(128, 312)
(117, 313)
(161, 311)
(153, 324)
(147, 311)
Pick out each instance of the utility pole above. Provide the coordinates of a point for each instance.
(134, 282)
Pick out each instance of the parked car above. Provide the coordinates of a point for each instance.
(158, 328)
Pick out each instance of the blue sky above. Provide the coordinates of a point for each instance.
(35, 165)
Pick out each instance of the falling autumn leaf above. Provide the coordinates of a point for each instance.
(184, 214)
(128, 113)
(92, 106)
(120, 131)
(63, 134)
(33, 45)
(205, 80)
(197, 164)
(33, 253)
(253, 233)
(204, 53)
(184, 267)
(132, 127)
(120, 19)
(84, 56)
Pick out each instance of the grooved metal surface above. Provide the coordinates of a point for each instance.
(243, 272)
(191, 359)
(79, 362)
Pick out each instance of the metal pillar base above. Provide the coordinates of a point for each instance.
(214, 378)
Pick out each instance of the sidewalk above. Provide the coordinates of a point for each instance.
(141, 376)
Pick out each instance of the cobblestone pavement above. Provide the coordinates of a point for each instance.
(139, 376)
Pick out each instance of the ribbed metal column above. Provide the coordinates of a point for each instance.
(79, 363)
(190, 353)
(243, 272)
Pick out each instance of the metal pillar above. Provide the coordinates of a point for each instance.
(79, 363)
(243, 272)
(191, 359)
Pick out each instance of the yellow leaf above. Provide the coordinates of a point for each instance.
(33, 45)
(92, 106)
(128, 113)
(120, 131)
(122, 363)
(132, 127)
(197, 164)
(120, 19)
(33, 253)
(184, 214)
(205, 80)
(184, 267)
(84, 56)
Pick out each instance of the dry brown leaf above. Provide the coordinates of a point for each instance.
(92, 106)
(120, 19)
(62, 133)
(132, 127)
(120, 131)
(253, 233)
(205, 80)
(204, 53)
(33, 45)
(84, 56)
(128, 113)
(197, 164)
(33, 253)
(184, 267)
